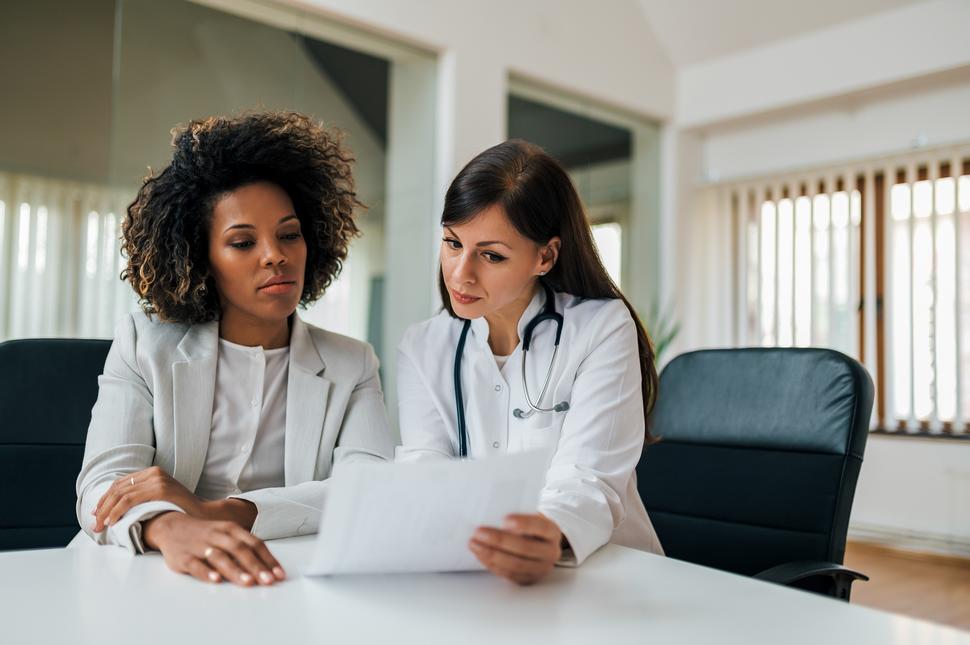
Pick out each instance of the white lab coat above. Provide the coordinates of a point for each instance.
(590, 490)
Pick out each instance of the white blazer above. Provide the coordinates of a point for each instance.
(590, 489)
(155, 402)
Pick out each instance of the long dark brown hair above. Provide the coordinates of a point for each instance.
(541, 202)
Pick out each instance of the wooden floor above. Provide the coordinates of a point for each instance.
(934, 588)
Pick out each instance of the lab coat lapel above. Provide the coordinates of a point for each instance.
(306, 405)
(193, 388)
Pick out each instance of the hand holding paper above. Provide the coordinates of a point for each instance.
(412, 517)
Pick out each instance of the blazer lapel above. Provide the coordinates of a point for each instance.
(306, 405)
(193, 388)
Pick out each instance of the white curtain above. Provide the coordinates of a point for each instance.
(60, 258)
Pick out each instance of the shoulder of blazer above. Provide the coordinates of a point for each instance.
(345, 357)
(155, 330)
(151, 336)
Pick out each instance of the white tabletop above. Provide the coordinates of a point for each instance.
(103, 595)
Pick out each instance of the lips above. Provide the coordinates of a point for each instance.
(277, 284)
(463, 299)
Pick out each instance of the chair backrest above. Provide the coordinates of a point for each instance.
(759, 455)
(47, 390)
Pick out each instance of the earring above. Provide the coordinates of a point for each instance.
(542, 273)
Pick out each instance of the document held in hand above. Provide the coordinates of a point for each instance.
(413, 517)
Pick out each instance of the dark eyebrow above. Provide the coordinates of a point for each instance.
(491, 242)
(487, 243)
(285, 218)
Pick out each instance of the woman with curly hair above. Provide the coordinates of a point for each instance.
(220, 413)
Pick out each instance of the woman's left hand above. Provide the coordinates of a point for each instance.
(149, 485)
(524, 550)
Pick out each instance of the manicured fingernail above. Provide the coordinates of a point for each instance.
(213, 576)
(279, 573)
(246, 578)
(266, 577)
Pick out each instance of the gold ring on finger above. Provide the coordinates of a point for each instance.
(208, 552)
(132, 481)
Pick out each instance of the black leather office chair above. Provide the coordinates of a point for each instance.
(757, 464)
(47, 390)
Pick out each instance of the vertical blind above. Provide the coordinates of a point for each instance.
(873, 260)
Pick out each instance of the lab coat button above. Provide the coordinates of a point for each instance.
(498, 388)
(495, 444)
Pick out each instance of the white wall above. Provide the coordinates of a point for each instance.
(929, 113)
(915, 493)
(906, 43)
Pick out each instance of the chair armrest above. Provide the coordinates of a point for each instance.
(829, 578)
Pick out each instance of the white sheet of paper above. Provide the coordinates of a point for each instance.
(414, 517)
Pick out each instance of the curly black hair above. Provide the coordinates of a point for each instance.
(165, 234)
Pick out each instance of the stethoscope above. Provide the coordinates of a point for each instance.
(548, 313)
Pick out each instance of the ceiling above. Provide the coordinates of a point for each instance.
(693, 31)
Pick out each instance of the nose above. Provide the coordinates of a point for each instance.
(463, 271)
(272, 255)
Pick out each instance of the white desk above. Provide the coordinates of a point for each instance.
(103, 595)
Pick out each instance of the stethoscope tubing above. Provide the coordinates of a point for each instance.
(549, 313)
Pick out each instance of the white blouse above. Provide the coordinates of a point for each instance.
(246, 441)
(248, 422)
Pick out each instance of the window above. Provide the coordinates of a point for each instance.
(874, 262)
(927, 240)
(608, 238)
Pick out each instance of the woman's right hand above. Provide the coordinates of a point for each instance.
(211, 551)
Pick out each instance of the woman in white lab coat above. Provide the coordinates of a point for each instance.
(516, 244)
